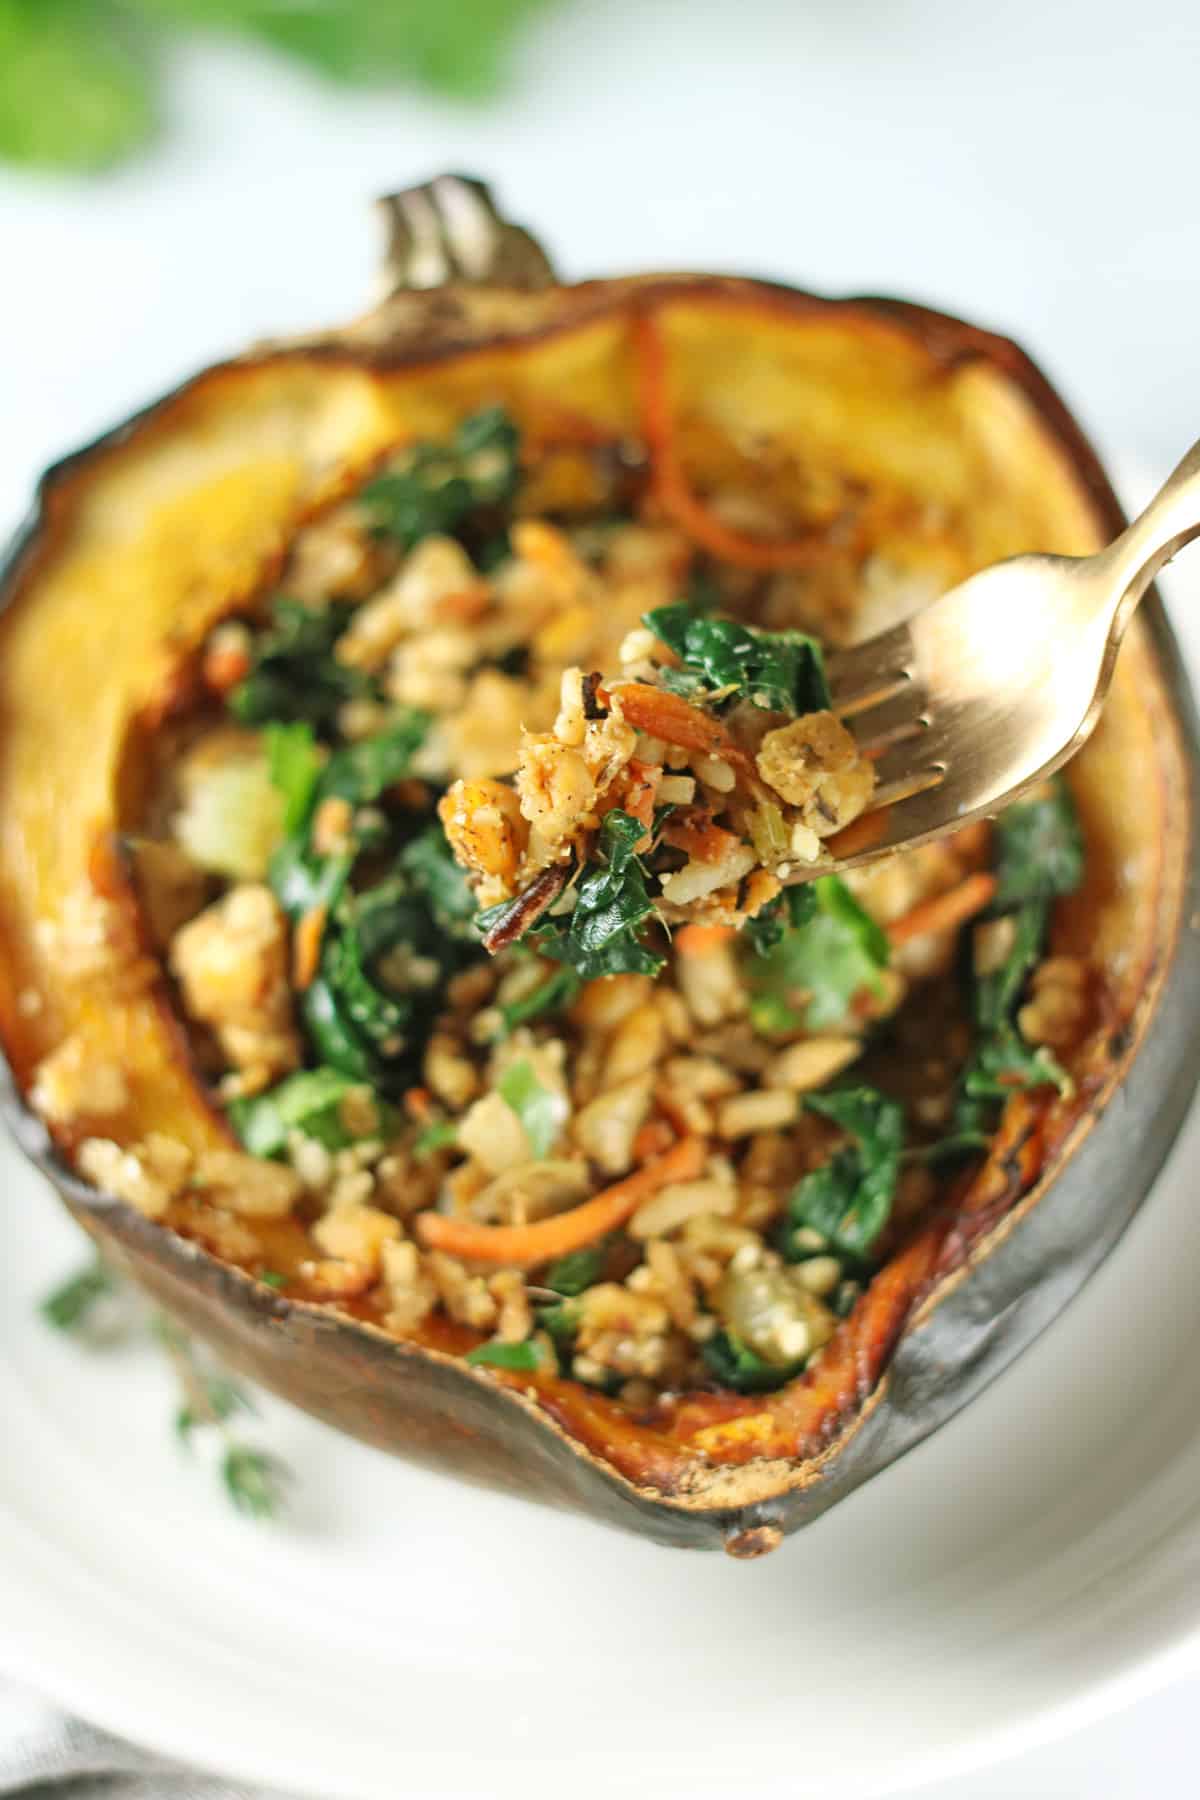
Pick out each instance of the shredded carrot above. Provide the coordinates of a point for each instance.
(700, 839)
(636, 795)
(652, 1139)
(306, 947)
(418, 1103)
(670, 484)
(943, 912)
(862, 834)
(522, 1246)
(698, 940)
(675, 720)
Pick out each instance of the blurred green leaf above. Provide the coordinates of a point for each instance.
(76, 88)
(457, 46)
(74, 93)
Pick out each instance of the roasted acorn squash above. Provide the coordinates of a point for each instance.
(139, 542)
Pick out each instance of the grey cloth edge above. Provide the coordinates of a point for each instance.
(47, 1752)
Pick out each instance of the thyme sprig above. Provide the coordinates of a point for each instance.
(210, 1398)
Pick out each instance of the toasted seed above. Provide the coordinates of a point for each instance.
(765, 1110)
(809, 1064)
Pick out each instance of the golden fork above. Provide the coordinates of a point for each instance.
(984, 693)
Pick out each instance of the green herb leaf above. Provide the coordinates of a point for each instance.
(996, 994)
(361, 772)
(769, 926)
(272, 1278)
(848, 1201)
(781, 671)
(809, 978)
(294, 673)
(442, 883)
(541, 1111)
(221, 1399)
(561, 1324)
(309, 1102)
(334, 1038)
(1039, 849)
(571, 1274)
(73, 92)
(438, 488)
(555, 993)
(294, 763)
(1001, 1061)
(302, 880)
(736, 1366)
(70, 1306)
(438, 1136)
(601, 936)
(254, 1481)
(505, 1356)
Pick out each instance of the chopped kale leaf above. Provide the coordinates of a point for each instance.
(294, 673)
(848, 1201)
(736, 1366)
(571, 1274)
(443, 488)
(361, 772)
(1039, 849)
(781, 671)
(600, 937)
(442, 883)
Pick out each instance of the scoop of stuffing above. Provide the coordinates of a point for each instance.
(731, 794)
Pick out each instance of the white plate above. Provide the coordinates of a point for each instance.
(1030, 1567)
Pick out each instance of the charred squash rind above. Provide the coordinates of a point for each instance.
(991, 1277)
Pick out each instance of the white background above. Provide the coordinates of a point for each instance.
(1032, 166)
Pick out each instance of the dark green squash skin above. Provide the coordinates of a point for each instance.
(436, 1409)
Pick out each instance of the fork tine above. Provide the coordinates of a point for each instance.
(866, 673)
(906, 761)
(904, 715)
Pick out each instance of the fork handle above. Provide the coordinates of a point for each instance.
(1171, 520)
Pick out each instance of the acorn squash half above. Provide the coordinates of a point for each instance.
(139, 542)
